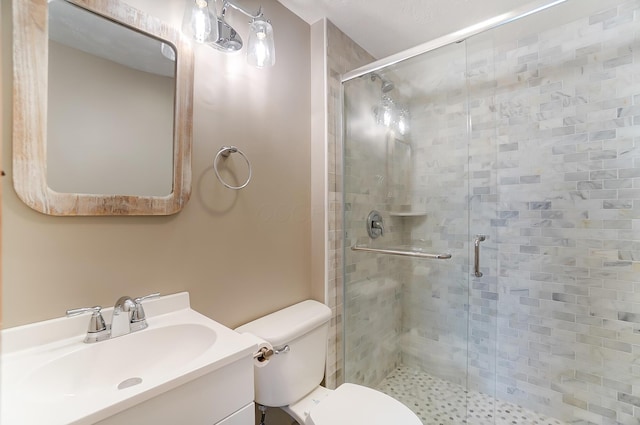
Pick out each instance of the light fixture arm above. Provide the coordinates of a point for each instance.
(228, 3)
(202, 22)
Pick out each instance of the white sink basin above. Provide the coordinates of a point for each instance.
(129, 359)
(50, 376)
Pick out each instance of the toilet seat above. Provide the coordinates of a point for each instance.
(352, 404)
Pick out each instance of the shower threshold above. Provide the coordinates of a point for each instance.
(440, 402)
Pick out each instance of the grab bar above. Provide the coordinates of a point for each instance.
(476, 257)
(402, 252)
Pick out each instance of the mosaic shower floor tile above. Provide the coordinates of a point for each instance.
(439, 402)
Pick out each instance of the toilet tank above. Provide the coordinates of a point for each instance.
(291, 375)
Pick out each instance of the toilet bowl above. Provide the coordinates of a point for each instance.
(291, 379)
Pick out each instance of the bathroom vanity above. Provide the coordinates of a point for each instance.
(183, 368)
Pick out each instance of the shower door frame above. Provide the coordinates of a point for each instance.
(455, 37)
(443, 41)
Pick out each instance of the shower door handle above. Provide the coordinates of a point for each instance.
(476, 250)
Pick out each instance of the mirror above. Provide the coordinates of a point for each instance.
(110, 107)
(102, 109)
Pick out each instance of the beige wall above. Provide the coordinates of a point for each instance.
(240, 254)
(3, 90)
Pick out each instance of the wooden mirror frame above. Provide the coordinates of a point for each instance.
(30, 62)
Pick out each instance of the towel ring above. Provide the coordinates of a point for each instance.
(225, 151)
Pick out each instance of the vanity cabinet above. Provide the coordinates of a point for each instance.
(244, 416)
(223, 397)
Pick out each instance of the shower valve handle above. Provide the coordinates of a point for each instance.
(375, 225)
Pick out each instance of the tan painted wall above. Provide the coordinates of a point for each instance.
(240, 254)
(3, 90)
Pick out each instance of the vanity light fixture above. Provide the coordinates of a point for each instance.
(403, 120)
(261, 52)
(385, 111)
(198, 20)
(204, 25)
(391, 115)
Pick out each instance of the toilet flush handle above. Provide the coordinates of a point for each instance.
(281, 350)
(265, 353)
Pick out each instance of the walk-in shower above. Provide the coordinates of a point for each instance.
(511, 203)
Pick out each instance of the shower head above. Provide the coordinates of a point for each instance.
(387, 85)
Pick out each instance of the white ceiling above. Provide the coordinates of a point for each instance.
(384, 27)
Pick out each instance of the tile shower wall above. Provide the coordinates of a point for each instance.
(373, 284)
(436, 334)
(554, 325)
(342, 55)
(569, 230)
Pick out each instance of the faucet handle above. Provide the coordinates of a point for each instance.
(138, 315)
(146, 297)
(96, 324)
(97, 329)
(79, 311)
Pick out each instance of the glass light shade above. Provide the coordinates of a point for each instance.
(385, 112)
(261, 51)
(199, 21)
(402, 126)
(403, 121)
(386, 117)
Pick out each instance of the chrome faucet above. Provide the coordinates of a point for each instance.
(128, 316)
(121, 320)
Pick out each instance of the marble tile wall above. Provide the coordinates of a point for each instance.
(373, 283)
(550, 123)
(554, 179)
(436, 312)
(342, 55)
(567, 105)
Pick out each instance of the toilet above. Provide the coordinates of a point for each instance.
(291, 378)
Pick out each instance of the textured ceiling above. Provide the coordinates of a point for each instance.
(384, 27)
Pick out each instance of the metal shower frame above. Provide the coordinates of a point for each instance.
(454, 37)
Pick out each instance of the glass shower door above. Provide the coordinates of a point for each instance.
(406, 152)
(524, 142)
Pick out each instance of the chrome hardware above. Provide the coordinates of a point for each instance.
(281, 350)
(138, 314)
(97, 330)
(121, 320)
(375, 225)
(265, 353)
(138, 318)
(454, 37)
(402, 252)
(476, 250)
(128, 316)
(225, 151)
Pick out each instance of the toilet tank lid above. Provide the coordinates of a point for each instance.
(282, 326)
